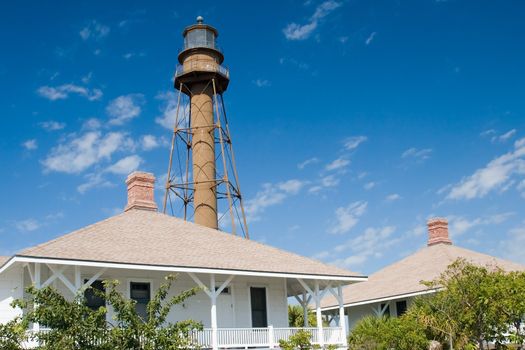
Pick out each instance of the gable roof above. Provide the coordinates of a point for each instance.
(3, 259)
(150, 238)
(403, 277)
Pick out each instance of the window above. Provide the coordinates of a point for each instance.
(94, 301)
(259, 311)
(226, 290)
(401, 307)
(140, 292)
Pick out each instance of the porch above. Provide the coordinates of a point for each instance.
(238, 309)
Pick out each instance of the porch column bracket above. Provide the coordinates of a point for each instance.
(54, 276)
(200, 284)
(60, 275)
(305, 286)
(93, 279)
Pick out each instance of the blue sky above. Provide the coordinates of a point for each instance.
(353, 121)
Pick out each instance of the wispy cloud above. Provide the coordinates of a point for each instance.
(337, 164)
(62, 92)
(307, 162)
(369, 185)
(262, 83)
(495, 137)
(125, 165)
(353, 142)
(27, 225)
(94, 30)
(30, 145)
(149, 142)
(347, 217)
(460, 224)
(295, 31)
(169, 110)
(370, 38)
(52, 125)
(124, 108)
(497, 174)
(392, 197)
(418, 154)
(78, 153)
(513, 244)
(270, 195)
(373, 243)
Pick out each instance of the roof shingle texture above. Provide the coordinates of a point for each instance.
(404, 276)
(151, 238)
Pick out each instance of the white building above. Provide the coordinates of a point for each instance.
(245, 284)
(390, 290)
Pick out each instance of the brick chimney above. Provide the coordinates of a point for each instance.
(438, 231)
(141, 186)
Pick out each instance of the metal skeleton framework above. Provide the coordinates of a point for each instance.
(179, 185)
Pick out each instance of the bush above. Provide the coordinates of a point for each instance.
(372, 333)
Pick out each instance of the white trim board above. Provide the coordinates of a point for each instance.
(26, 259)
(388, 298)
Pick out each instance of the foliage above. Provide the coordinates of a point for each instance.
(301, 340)
(474, 305)
(72, 325)
(296, 316)
(384, 333)
(13, 334)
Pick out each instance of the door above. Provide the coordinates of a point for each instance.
(259, 309)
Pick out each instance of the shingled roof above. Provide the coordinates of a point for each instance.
(404, 277)
(147, 237)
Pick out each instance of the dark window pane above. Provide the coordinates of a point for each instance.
(93, 301)
(401, 307)
(387, 311)
(140, 292)
(259, 311)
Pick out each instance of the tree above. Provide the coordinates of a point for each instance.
(296, 316)
(74, 326)
(475, 305)
(385, 333)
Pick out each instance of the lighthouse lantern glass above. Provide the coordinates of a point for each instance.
(199, 38)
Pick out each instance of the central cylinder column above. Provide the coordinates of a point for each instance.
(203, 146)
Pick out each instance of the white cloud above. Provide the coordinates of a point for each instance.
(494, 137)
(262, 83)
(125, 165)
(459, 224)
(52, 125)
(369, 185)
(392, 197)
(347, 217)
(370, 38)
(63, 91)
(78, 153)
(94, 30)
(270, 195)
(337, 164)
(307, 162)
(124, 108)
(87, 78)
(294, 31)
(169, 111)
(419, 154)
(353, 142)
(371, 244)
(325, 182)
(27, 225)
(93, 180)
(513, 245)
(92, 124)
(30, 144)
(495, 175)
(149, 142)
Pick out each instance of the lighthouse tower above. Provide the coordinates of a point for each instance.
(201, 131)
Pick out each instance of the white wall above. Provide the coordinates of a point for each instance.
(355, 313)
(233, 309)
(11, 287)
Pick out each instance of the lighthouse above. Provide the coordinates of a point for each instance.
(201, 77)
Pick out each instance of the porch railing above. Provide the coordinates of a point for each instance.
(252, 337)
(262, 337)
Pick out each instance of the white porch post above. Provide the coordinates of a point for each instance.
(318, 314)
(213, 298)
(342, 318)
(78, 281)
(36, 326)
